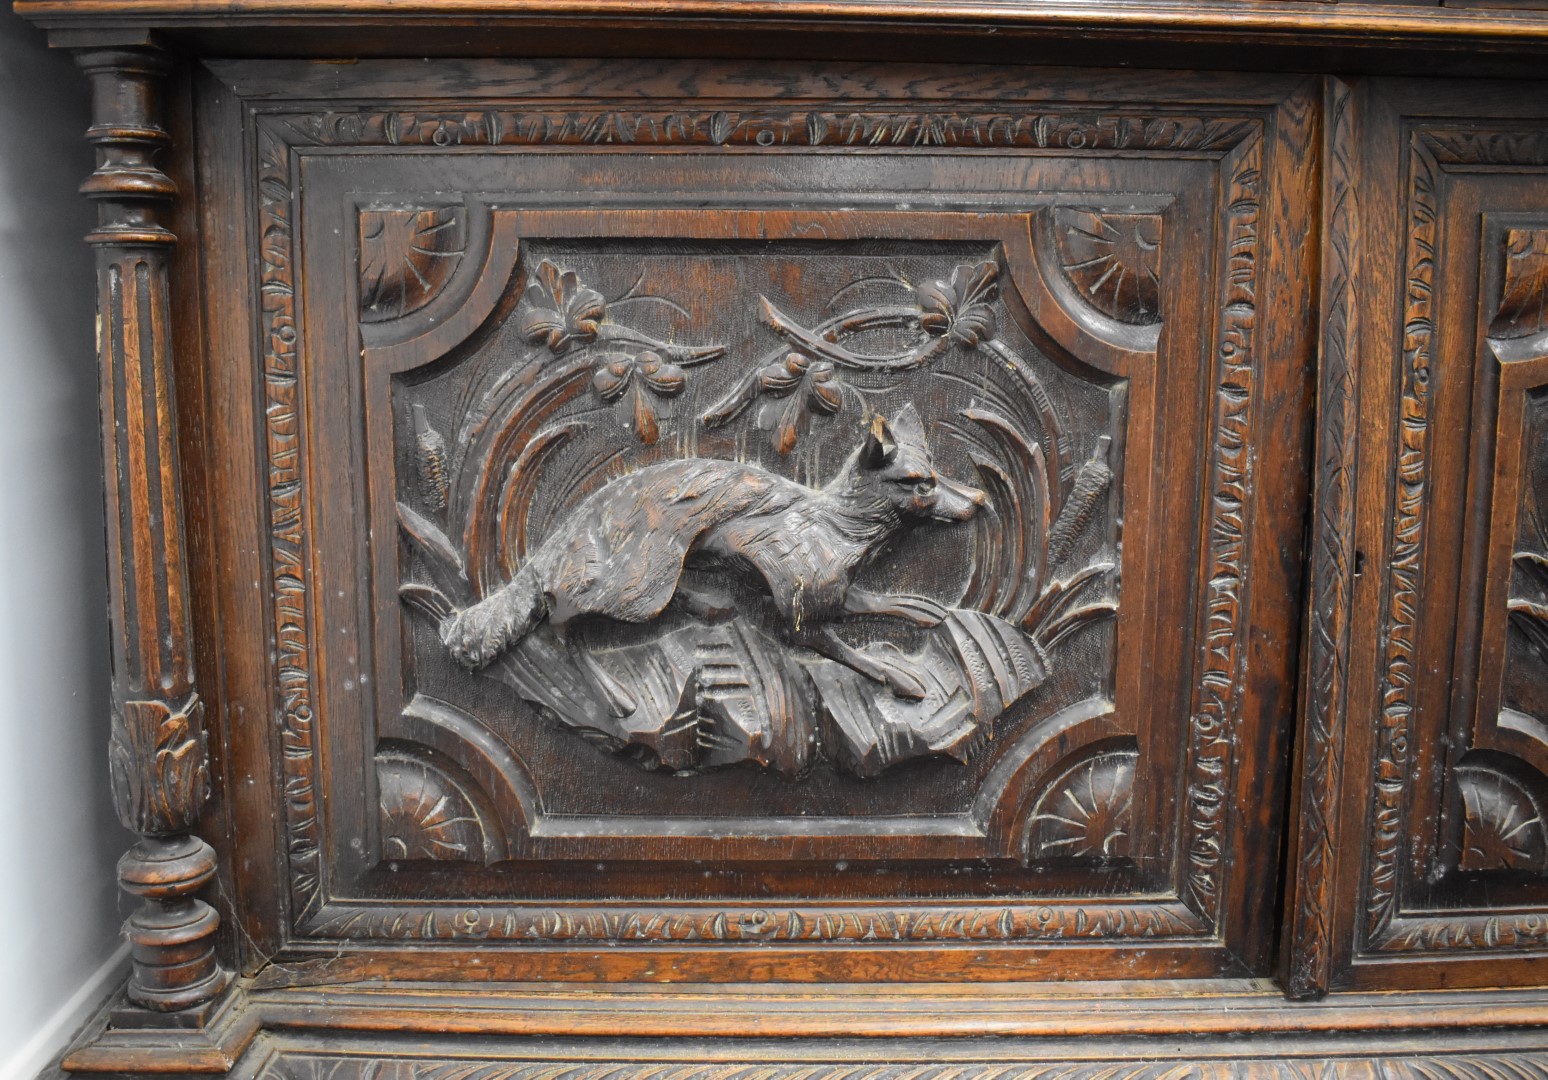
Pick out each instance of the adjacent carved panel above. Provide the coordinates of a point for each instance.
(1487, 786)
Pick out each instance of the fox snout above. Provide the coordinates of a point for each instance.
(954, 501)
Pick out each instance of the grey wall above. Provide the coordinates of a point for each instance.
(59, 840)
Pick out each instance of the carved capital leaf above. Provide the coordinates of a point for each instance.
(159, 766)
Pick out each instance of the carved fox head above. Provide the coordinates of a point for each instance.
(895, 463)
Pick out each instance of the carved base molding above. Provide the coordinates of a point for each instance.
(927, 1032)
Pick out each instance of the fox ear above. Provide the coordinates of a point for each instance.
(880, 447)
(906, 426)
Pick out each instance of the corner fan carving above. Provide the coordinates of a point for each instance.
(698, 611)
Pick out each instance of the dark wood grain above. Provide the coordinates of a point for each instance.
(740, 566)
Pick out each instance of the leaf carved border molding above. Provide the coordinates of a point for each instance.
(1214, 724)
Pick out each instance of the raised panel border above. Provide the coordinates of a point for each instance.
(1250, 139)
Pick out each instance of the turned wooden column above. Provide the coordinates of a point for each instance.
(157, 752)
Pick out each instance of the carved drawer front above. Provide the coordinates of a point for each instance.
(1446, 853)
(780, 525)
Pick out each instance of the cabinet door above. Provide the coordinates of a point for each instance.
(763, 522)
(1436, 285)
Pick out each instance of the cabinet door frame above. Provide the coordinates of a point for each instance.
(1423, 185)
(1261, 131)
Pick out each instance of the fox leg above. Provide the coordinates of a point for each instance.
(476, 635)
(918, 610)
(829, 644)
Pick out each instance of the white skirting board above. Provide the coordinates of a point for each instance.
(53, 1035)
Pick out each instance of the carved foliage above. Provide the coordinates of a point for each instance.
(1332, 571)
(1407, 551)
(406, 258)
(286, 518)
(1114, 261)
(638, 371)
(1044, 922)
(156, 757)
(1028, 127)
(1213, 726)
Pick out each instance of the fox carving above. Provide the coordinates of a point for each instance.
(621, 554)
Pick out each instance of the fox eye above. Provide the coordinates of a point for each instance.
(924, 487)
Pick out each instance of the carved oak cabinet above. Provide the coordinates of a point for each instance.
(798, 540)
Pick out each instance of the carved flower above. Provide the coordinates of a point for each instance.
(805, 386)
(564, 312)
(630, 382)
(960, 309)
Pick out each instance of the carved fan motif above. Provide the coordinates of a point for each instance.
(1502, 825)
(1085, 813)
(406, 258)
(1524, 300)
(1114, 261)
(423, 815)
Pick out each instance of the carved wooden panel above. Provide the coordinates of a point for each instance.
(690, 530)
(1440, 840)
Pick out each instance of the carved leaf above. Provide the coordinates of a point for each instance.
(156, 757)
(961, 309)
(1114, 261)
(564, 312)
(406, 258)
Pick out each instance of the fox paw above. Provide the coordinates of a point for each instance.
(476, 635)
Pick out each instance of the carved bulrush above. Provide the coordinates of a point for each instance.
(157, 753)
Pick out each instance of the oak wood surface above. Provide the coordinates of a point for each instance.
(880, 555)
